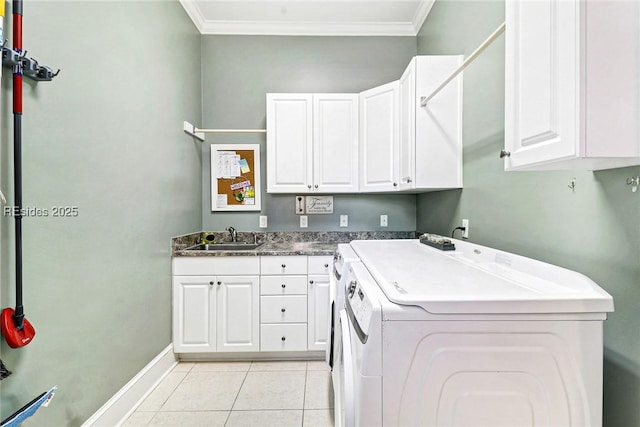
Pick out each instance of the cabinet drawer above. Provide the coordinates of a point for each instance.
(320, 264)
(283, 264)
(283, 337)
(283, 309)
(211, 266)
(283, 285)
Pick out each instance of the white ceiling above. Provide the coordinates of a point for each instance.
(309, 17)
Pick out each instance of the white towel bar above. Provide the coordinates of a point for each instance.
(425, 99)
(199, 133)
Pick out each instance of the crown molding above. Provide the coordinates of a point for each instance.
(308, 28)
(279, 28)
(421, 15)
(194, 13)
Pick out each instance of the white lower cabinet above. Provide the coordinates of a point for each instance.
(216, 312)
(283, 337)
(319, 268)
(278, 303)
(194, 314)
(238, 313)
(283, 310)
(318, 312)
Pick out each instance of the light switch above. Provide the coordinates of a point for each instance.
(300, 201)
(344, 220)
(384, 222)
(303, 221)
(263, 221)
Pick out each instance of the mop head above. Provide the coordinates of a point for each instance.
(4, 372)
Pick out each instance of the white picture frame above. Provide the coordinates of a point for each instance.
(235, 177)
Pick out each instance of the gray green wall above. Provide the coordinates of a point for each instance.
(105, 136)
(593, 230)
(237, 72)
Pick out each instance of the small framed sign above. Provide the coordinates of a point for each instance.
(319, 205)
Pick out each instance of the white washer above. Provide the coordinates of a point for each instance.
(475, 337)
(343, 258)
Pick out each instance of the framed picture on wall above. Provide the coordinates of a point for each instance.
(235, 177)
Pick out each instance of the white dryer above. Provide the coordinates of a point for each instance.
(344, 255)
(343, 258)
(475, 337)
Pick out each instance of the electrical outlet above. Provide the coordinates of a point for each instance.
(300, 205)
(263, 221)
(344, 220)
(384, 221)
(304, 221)
(465, 224)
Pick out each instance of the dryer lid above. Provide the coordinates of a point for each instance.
(476, 280)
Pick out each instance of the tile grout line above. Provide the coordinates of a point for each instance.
(304, 392)
(155, 413)
(246, 374)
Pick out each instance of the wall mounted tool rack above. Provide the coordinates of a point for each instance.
(30, 67)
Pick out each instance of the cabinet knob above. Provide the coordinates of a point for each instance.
(311, 282)
(283, 310)
(409, 180)
(219, 283)
(284, 286)
(283, 338)
(316, 186)
(395, 184)
(309, 186)
(284, 265)
(504, 153)
(211, 283)
(326, 266)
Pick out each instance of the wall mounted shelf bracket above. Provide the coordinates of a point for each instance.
(191, 130)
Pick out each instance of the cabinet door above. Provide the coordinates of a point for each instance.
(318, 312)
(542, 81)
(289, 142)
(379, 138)
(238, 313)
(335, 143)
(407, 129)
(194, 314)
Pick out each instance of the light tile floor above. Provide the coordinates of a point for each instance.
(240, 394)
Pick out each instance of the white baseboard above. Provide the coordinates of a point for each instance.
(126, 400)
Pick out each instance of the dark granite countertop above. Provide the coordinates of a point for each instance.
(281, 243)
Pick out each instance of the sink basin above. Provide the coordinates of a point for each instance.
(228, 246)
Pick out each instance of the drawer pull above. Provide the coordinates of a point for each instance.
(284, 286)
(283, 310)
(283, 338)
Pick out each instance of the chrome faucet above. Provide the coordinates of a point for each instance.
(234, 234)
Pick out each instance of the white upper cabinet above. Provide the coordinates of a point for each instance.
(379, 138)
(312, 143)
(430, 146)
(335, 143)
(289, 142)
(572, 76)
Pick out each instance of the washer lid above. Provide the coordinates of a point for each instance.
(476, 280)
